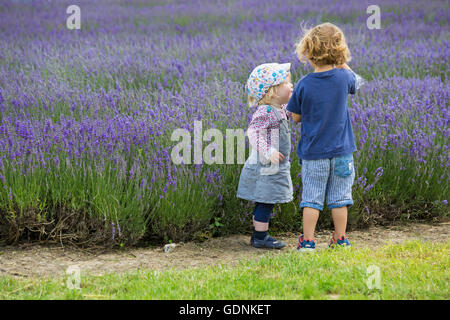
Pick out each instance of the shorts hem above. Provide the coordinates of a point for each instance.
(311, 205)
(340, 205)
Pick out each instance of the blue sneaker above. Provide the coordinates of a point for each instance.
(306, 245)
(342, 242)
(268, 242)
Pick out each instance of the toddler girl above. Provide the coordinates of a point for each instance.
(265, 177)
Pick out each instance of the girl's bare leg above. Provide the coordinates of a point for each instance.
(260, 226)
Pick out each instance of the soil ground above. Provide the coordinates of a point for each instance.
(31, 259)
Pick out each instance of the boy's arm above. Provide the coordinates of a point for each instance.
(359, 80)
(293, 107)
(294, 116)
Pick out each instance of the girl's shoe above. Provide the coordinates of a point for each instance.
(305, 245)
(342, 242)
(268, 242)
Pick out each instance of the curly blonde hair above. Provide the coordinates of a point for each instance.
(323, 45)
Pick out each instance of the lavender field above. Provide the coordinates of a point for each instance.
(86, 116)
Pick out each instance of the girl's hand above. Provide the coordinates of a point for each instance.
(276, 157)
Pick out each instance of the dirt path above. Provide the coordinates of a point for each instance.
(38, 260)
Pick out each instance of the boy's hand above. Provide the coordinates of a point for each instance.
(276, 157)
(296, 117)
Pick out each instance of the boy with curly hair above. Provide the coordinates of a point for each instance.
(326, 147)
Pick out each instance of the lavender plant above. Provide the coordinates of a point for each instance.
(86, 115)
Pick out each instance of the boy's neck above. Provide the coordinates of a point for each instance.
(323, 68)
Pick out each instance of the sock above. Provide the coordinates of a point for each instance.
(260, 235)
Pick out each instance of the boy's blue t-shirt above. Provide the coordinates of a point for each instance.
(321, 99)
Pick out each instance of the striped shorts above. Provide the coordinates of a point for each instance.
(331, 178)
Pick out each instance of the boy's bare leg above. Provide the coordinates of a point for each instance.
(260, 226)
(310, 217)
(340, 221)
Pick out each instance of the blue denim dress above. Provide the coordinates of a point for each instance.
(268, 183)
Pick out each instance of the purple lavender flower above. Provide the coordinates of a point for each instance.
(110, 119)
(113, 230)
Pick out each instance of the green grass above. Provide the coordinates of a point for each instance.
(411, 270)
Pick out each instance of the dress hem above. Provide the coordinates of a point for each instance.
(265, 200)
